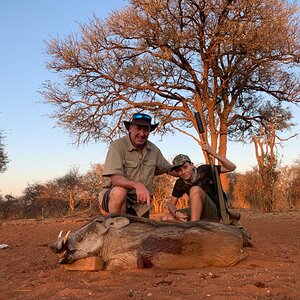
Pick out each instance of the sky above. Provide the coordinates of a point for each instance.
(38, 150)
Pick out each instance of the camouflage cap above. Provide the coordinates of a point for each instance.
(180, 160)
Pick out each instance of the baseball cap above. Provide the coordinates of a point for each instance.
(180, 160)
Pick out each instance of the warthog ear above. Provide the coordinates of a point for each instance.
(117, 222)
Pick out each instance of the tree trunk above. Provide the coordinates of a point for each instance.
(71, 202)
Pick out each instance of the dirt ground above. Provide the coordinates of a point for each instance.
(29, 270)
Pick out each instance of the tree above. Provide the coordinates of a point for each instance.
(6, 204)
(69, 185)
(294, 187)
(3, 155)
(288, 187)
(265, 143)
(247, 190)
(267, 165)
(224, 59)
(91, 183)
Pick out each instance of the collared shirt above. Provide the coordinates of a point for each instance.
(126, 160)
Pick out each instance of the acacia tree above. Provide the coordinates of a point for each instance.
(266, 143)
(267, 164)
(171, 58)
(91, 183)
(69, 185)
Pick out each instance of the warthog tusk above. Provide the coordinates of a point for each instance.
(66, 237)
(60, 234)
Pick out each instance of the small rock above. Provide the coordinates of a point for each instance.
(3, 246)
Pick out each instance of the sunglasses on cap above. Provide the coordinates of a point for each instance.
(142, 120)
(140, 116)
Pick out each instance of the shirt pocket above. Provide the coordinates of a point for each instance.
(150, 166)
(130, 164)
(131, 169)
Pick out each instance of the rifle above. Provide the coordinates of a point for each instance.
(215, 174)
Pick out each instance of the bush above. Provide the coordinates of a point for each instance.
(248, 190)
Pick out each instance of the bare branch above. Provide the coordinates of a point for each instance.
(225, 59)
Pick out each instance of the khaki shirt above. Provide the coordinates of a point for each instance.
(124, 159)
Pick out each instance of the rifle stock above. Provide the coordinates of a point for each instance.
(199, 122)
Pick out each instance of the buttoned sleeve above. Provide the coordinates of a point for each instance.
(113, 164)
(162, 165)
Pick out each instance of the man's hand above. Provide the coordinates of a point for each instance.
(142, 194)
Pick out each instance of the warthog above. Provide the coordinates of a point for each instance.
(128, 242)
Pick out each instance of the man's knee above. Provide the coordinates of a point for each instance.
(118, 193)
(113, 197)
(117, 200)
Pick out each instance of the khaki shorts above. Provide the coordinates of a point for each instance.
(132, 207)
(209, 211)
